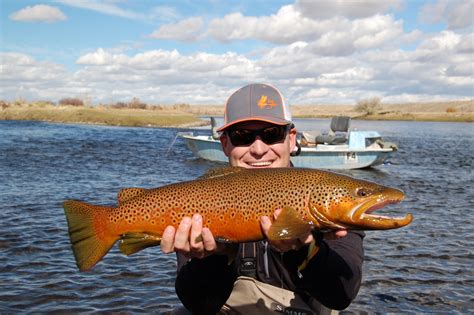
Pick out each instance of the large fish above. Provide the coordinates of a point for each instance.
(231, 201)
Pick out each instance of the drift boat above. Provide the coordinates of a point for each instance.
(340, 148)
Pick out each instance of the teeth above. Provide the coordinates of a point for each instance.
(260, 164)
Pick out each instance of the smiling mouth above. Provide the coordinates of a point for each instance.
(260, 164)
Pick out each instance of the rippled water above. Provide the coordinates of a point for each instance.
(425, 267)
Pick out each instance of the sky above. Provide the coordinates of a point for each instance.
(199, 52)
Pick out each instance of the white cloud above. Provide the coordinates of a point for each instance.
(461, 15)
(335, 36)
(186, 30)
(103, 7)
(109, 74)
(312, 59)
(325, 9)
(164, 13)
(457, 14)
(287, 26)
(358, 34)
(446, 40)
(39, 13)
(23, 76)
(100, 57)
(466, 44)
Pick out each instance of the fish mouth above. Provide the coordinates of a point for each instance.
(363, 214)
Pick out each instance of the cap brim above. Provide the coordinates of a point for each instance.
(271, 120)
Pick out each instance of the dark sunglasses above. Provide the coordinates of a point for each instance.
(269, 135)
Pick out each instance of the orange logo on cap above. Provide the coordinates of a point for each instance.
(264, 102)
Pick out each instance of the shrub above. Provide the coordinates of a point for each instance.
(20, 102)
(369, 106)
(119, 105)
(451, 110)
(71, 101)
(135, 103)
(181, 106)
(157, 107)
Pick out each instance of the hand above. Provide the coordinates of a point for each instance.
(183, 239)
(335, 234)
(295, 244)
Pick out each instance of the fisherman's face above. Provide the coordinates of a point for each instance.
(259, 154)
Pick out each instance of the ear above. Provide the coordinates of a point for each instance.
(225, 143)
(292, 136)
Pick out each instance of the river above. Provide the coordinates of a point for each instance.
(425, 267)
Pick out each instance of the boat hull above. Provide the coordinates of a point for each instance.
(320, 157)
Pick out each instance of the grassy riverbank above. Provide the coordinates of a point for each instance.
(101, 115)
(457, 111)
(184, 115)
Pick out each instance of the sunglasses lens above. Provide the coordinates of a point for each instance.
(273, 135)
(241, 137)
(270, 135)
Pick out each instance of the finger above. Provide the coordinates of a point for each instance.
(307, 239)
(265, 223)
(276, 213)
(167, 240)
(208, 240)
(181, 238)
(196, 230)
(341, 233)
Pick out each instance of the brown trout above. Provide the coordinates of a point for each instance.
(231, 202)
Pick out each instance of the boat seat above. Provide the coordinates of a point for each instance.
(339, 131)
(331, 139)
(340, 123)
(214, 133)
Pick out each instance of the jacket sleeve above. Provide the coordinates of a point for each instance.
(334, 275)
(203, 285)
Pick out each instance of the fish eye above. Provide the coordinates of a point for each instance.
(363, 192)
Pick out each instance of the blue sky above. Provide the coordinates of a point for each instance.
(198, 52)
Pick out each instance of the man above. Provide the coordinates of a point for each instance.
(258, 132)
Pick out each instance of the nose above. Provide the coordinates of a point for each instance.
(258, 147)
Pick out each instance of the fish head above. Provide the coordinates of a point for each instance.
(342, 202)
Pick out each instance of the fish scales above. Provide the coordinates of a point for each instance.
(231, 202)
(222, 201)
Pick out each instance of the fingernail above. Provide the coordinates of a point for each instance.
(170, 230)
(197, 217)
(186, 221)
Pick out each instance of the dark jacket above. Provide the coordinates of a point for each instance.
(332, 277)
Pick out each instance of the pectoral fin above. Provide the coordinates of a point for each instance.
(134, 242)
(288, 225)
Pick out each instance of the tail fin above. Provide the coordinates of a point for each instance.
(88, 232)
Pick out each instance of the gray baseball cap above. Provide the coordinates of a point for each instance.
(256, 101)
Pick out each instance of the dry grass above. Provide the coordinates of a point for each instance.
(434, 111)
(101, 115)
(184, 115)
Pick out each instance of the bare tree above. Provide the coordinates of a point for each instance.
(369, 106)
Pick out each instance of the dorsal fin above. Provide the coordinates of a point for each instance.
(221, 171)
(127, 194)
(288, 225)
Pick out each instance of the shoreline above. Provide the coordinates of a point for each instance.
(185, 116)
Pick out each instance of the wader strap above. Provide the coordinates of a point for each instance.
(248, 260)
